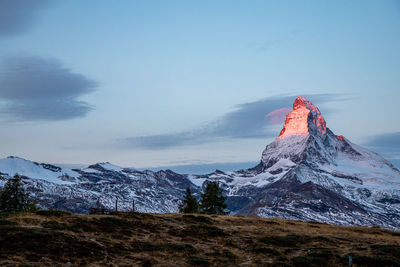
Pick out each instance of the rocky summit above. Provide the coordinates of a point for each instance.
(307, 173)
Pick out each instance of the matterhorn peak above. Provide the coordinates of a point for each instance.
(305, 118)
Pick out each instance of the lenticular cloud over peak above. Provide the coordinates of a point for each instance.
(277, 116)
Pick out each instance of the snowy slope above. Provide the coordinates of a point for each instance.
(50, 173)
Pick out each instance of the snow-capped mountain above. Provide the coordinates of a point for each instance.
(308, 173)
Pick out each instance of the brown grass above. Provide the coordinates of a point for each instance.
(131, 239)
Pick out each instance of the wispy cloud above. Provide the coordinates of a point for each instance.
(387, 144)
(36, 88)
(17, 16)
(247, 120)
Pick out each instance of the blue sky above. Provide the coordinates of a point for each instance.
(168, 83)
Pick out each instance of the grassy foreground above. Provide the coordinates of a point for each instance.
(132, 239)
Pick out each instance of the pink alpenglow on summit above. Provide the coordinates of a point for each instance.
(340, 137)
(303, 117)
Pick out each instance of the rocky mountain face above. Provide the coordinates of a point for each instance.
(308, 173)
(98, 185)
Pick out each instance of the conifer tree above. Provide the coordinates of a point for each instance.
(14, 198)
(212, 201)
(189, 203)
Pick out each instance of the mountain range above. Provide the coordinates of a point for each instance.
(307, 173)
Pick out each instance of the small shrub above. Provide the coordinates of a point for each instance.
(147, 262)
(388, 249)
(198, 261)
(103, 224)
(302, 261)
(228, 254)
(104, 239)
(216, 253)
(281, 264)
(248, 240)
(55, 225)
(199, 219)
(212, 230)
(320, 258)
(272, 222)
(53, 213)
(264, 250)
(178, 247)
(83, 224)
(147, 246)
(55, 245)
(229, 242)
(361, 248)
(143, 246)
(31, 221)
(130, 215)
(308, 261)
(285, 241)
(118, 236)
(315, 222)
(199, 231)
(188, 216)
(107, 221)
(174, 232)
(321, 238)
(118, 247)
(5, 214)
(374, 261)
(7, 222)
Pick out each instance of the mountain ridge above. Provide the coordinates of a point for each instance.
(306, 173)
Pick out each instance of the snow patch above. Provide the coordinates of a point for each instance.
(14, 165)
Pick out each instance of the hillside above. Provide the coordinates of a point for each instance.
(138, 239)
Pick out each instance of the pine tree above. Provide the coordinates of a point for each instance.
(189, 203)
(14, 198)
(212, 201)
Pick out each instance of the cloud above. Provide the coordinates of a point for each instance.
(35, 88)
(17, 16)
(277, 116)
(247, 120)
(162, 141)
(388, 144)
